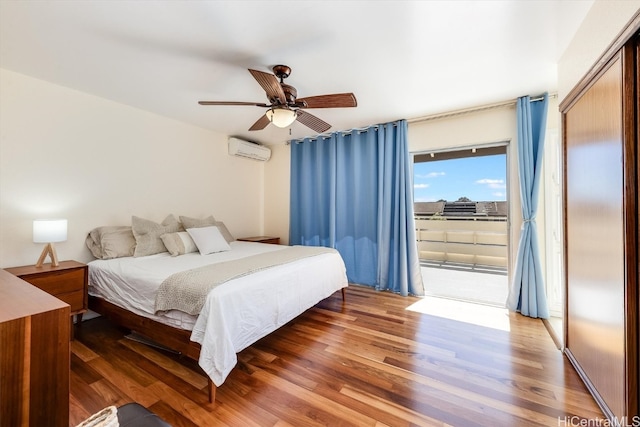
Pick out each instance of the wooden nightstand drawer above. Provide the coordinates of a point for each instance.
(74, 299)
(261, 239)
(59, 282)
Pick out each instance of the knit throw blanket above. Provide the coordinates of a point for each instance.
(187, 290)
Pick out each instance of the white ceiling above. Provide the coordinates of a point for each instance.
(402, 59)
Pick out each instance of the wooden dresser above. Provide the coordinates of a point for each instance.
(34, 355)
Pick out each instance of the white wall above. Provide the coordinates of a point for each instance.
(68, 154)
(603, 23)
(277, 189)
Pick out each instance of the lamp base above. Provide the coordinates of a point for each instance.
(50, 250)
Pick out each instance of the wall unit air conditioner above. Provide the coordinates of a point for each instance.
(241, 148)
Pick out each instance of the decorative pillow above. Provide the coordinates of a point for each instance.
(147, 234)
(118, 242)
(197, 222)
(179, 243)
(93, 246)
(225, 233)
(111, 242)
(208, 239)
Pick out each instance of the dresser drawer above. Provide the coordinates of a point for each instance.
(74, 299)
(59, 282)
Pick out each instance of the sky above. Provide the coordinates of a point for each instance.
(480, 179)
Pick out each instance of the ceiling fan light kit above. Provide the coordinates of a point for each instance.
(285, 107)
(281, 117)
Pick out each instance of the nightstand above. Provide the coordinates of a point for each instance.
(261, 239)
(67, 282)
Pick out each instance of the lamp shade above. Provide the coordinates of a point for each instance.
(49, 230)
(281, 117)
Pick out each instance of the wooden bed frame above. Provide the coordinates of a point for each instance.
(173, 338)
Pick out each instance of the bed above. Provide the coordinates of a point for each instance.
(238, 311)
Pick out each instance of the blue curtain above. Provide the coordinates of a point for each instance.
(527, 294)
(352, 191)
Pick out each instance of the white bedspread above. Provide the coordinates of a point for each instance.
(235, 314)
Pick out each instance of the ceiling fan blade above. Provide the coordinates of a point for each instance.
(262, 123)
(257, 104)
(271, 86)
(312, 122)
(337, 100)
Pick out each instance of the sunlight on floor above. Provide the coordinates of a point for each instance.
(477, 314)
(466, 282)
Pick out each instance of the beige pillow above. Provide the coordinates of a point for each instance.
(225, 233)
(93, 246)
(118, 242)
(179, 243)
(188, 222)
(109, 242)
(147, 234)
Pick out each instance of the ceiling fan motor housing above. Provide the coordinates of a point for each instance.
(290, 92)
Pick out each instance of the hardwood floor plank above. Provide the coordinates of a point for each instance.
(198, 414)
(166, 366)
(83, 370)
(107, 392)
(234, 402)
(128, 386)
(173, 417)
(198, 380)
(369, 361)
(78, 411)
(83, 401)
(82, 351)
(283, 401)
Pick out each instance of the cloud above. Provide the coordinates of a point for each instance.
(431, 175)
(492, 183)
(418, 186)
(499, 194)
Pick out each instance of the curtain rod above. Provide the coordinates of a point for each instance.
(426, 118)
(475, 109)
(343, 132)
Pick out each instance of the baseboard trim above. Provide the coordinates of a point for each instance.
(554, 334)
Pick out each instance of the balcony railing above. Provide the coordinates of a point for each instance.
(473, 239)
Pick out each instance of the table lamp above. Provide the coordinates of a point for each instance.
(49, 231)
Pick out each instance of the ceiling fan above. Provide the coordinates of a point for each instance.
(284, 105)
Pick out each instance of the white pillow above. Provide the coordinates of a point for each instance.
(208, 239)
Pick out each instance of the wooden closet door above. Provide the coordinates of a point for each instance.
(601, 147)
(596, 237)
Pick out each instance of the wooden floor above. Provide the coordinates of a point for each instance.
(366, 362)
